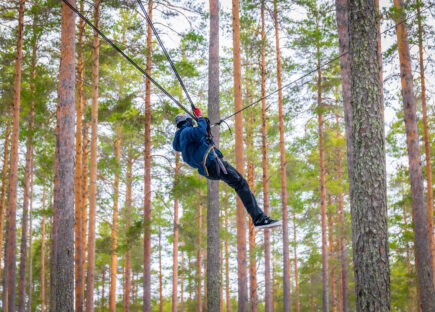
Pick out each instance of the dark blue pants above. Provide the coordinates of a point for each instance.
(234, 179)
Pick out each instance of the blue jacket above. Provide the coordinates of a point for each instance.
(193, 145)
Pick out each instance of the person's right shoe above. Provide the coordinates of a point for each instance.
(267, 223)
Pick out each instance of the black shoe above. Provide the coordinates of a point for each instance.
(267, 223)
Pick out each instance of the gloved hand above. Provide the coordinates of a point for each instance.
(198, 112)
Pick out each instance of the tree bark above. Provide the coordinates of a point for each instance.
(330, 256)
(410, 281)
(175, 240)
(424, 265)
(78, 222)
(128, 204)
(242, 279)
(285, 231)
(198, 256)
(325, 287)
(10, 252)
(30, 291)
(368, 180)
(213, 222)
(85, 185)
(43, 252)
(147, 175)
(113, 256)
(4, 181)
(63, 253)
(90, 278)
(426, 143)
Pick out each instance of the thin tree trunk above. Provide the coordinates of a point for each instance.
(325, 287)
(85, 185)
(342, 237)
(426, 143)
(182, 280)
(410, 282)
(343, 38)
(78, 188)
(213, 222)
(29, 302)
(424, 264)
(297, 302)
(128, 203)
(265, 177)
(4, 181)
(198, 256)
(160, 272)
(368, 176)
(113, 256)
(147, 175)
(175, 240)
(90, 277)
(285, 232)
(227, 265)
(242, 278)
(330, 256)
(43, 252)
(10, 252)
(63, 281)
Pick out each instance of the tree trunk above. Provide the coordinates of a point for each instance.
(240, 216)
(268, 297)
(330, 256)
(78, 224)
(368, 180)
(410, 281)
(298, 305)
(198, 256)
(11, 240)
(426, 143)
(128, 204)
(175, 240)
(342, 237)
(85, 185)
(182, 280)
(147, 175)
(113, 256)
(43, 252)
(63, 253)
(4, 181)
(227, 265)
(285, 232)
(213, 223)
(90, 277)
(343, 38)
(29, 301)
(325, 296)
(424, 265)
(160, 272)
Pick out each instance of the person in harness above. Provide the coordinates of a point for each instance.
(198, 151)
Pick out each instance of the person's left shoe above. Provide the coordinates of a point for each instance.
(267, 223)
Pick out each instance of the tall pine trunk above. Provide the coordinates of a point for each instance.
(325, 296)
(213, 222)
(128, 203)
(63, 274)
(368, 175)
(4, 181)
(147, 175)
(78, 224)
(175, 240)
(408, 262)
(297, 302)
(30, 262)
(114, 256)
(43, 251)
(426, 142)
(285, 231)
(227, 265)
(10, 252)
(424, 265)
(199, 256)
(90, 277)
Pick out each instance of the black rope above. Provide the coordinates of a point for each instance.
(311, 72)
(166, 53)
(128, 59)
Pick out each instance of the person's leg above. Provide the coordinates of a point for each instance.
(234, 179)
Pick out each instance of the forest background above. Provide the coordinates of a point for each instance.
(308, 37)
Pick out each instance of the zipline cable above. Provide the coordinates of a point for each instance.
(310, 72)
(150, 22)
(128, 58)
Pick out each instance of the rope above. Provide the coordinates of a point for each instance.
(311, 71)
(166, 53)
(128, 58)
